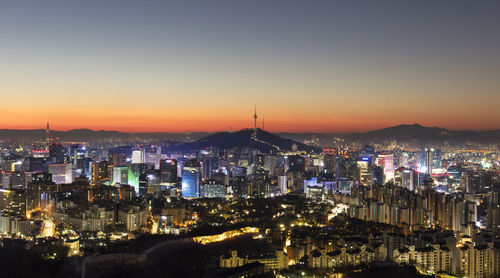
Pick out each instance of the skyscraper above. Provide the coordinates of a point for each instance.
(191, 178)
(429, 153)
(100, 173)
(168, 171)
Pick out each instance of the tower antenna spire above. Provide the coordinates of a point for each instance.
(47, 135)
(255, 119)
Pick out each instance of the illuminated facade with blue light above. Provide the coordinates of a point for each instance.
(191, 179)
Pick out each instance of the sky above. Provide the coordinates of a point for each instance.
(309, 66)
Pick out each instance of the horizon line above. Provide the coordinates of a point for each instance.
(217, 131)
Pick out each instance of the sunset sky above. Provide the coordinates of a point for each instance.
(320, 66)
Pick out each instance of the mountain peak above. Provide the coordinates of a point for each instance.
(264, 141)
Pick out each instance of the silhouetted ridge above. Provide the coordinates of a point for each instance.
(266, 142)
(417, 132)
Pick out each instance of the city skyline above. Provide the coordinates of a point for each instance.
(333, 67)
(259, 126)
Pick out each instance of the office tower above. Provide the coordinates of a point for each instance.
(61, 172)
(191, 178)
(429, 153)
(282, 185)
(57, 152)
(212, 189)
(134, 173)
(408, 179)
(209, 165)
(13, 180)
(77, 151)
(363, 172)
(13, 202)
(32, 196)
(386, 161)
(100, 173)
(168, 172)
(117, 159)
(120, 175)
(493, 209)
(138, 156)
(149, 182)
(378, 175)
(329, 163)
(403, 161)
(296, 164)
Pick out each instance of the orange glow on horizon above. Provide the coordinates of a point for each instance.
(216, 125)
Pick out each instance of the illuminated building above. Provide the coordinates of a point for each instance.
(168, 172)
(276, 260)
(77, 151)
(432, 259)
(134, 173)
(478, 261)
(61, 173)
(40, 153)
(57, 152)
(103, 193)
(364, 175)
(117, 159)
(208, 166)
(138, 156)
(493, 209)
(120, 175)
(386, 161)
(127, 192)
(321, 259)
(282, 184)
(212, 189)
(149, 182)
(191, 178)
(100, 173)
(407, 178)
(42, 177)
(13, 202)
(33, 196)
(133, 217)
(13, 180)
(429, 153)
(96, 218)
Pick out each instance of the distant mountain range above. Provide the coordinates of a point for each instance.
(88, 135)
(414, 133)
(422, 134)
(188, 140)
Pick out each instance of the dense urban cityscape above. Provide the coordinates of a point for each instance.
(265, 206)
(263, 138)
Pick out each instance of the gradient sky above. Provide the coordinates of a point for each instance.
(321, 66)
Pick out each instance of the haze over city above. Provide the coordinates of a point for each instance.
(335, 66)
